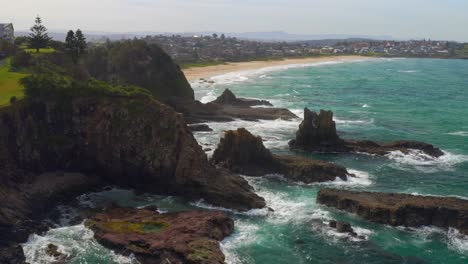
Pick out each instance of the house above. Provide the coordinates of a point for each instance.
(7, 32)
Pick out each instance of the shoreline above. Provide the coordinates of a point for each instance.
(197, 73)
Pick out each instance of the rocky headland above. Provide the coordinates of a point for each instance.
(180, 238)
(129, 142)
(317, 133)
(241, 152)
(400, 209)
(227, 107)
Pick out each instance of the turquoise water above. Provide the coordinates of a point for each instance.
(377, 99)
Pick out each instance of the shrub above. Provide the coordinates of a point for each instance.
(21, 59)
(52, 85)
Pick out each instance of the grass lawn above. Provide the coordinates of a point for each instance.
(46, 50)
(9, 84)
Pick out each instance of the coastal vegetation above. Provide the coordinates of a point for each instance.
(10, 86)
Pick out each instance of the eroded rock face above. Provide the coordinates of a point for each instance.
(400, 209)
(242, 152)
(317, 133)
(180, 238)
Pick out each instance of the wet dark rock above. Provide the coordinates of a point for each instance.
(400, 209)
(332, 224)
(317, 133)
(242, 152)
(227, 109)
(200, 128)
(53, 251)
(178, 238)
(344, 227)
(228, 98)
(12, 254)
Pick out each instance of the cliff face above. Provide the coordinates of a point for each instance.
(137, 143)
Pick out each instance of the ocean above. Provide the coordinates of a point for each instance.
(376, 99)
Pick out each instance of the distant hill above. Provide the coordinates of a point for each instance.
(258, 36)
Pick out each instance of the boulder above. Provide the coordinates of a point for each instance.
(242, 152)
(400, 209)
(344, 227)
(317, 133)
(178, 238)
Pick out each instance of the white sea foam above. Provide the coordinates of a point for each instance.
(362, 233)
(360, 178)
(245, 234)
(365, 106)
(73, 241)
(409, 71)
(457, 241)
(353, 122)
(424, 162)
(459, 133)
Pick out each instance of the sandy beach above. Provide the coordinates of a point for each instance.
(196, 73)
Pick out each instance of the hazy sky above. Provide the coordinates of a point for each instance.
(436, 19)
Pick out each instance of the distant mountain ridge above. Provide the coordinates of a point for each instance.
(258, 36)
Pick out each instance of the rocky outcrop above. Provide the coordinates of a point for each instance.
(242, 152)
(228, 98)
(317, 133)
(200, 128)
(130, 142)
(228, 108)
(400, 209)
(180, 238)
(139, 63)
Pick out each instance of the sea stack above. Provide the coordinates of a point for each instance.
(242, 152)
(317, 133)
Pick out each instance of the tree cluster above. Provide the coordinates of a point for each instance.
(75, 44)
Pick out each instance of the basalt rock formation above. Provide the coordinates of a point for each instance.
(317, 133)
(179, 238)
(227, 108)
(130, 142)
(400, 209)
(241, 152)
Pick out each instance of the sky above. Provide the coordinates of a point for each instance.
(401, 19)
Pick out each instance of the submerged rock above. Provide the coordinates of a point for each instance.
(400, 209)
(242, 152)
(178, 238)
(317, 133)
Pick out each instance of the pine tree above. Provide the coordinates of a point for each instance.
(70, 45)
(80, 42)
(38, 37)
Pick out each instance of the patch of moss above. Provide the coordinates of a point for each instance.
(202, 250)
(132, 227)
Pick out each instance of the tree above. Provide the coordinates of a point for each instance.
(75, 44)
(215, 35)
(80, 42)
(38, 37)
